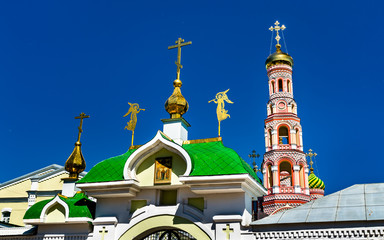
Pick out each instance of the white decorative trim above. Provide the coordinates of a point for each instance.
(329, 233)
(6, 210)
(227, 218)
(296, 168)
(105, 221)
(274, 168)
(50, 204)
(150, 147)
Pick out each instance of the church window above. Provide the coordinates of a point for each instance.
(293, 108)
(273, 87)
(197, 203)
(136, 204)
(269, 177)
(168, 197)
(280, 85)
(283, 135)
(270, 137)
(285, 174)
(302, 174)
(6, 216)
(271, 109)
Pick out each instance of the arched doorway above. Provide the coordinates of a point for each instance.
(170, 234)
(171, 226)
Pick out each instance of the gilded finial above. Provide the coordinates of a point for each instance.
(277, 28)
(253, 155)
(134, 109)
(75, 164)
(176, 105)
(310, 155)
(222, 114)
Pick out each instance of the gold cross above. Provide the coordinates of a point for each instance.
(180, 43)
(228, 231)
(81, 117)
(103, 232)
(310, 154)
(277, 28)
(254, 156)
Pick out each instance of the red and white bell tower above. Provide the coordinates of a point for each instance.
(284, 167)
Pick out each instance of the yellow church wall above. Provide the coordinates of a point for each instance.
(54, 183)
(55, 214)
(146, 171)
(17, 213)
(38, 199)
(16, 190)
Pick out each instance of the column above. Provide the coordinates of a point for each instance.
(296, 184)
(274, 139)
(293, 138)
(275, 173)
(306, 191)
(266, 178)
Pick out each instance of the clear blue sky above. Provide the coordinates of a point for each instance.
(58, 59)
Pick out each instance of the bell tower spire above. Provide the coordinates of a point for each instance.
(284, 167)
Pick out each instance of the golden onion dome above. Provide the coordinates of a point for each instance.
(176, 105)
(75, 164)
(278, 57)
(315, 182)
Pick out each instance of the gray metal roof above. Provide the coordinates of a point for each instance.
(360, 202)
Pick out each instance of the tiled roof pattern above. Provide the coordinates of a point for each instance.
(213, 158)
(79, 206)
(208, 159)
(360, 202)
(108, 170)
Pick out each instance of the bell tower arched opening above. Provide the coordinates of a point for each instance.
(283, 135)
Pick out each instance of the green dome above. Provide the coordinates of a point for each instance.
(315, 182)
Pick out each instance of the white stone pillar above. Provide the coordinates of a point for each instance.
(275, 173)
(274, 139)
(293, 138)
(306, 171)
(176, 129)
(296, 184)
(266, 178)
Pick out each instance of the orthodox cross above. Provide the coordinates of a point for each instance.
(103, 232)
(179, 43)
(81, 117)
(253, 155)
(228, 231)
(310, 155)
(277, 28)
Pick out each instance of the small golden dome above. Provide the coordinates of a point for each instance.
(278, 57)
(176, 105)
(75, 164)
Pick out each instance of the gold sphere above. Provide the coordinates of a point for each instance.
(177, 83)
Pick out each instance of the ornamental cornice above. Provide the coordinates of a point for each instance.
(275, 156)
(273, 124)
(274, 100)
(281, 95)
(326, 233)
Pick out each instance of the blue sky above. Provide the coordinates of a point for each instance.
(58, 59)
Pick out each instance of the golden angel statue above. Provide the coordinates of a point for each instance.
(222, 114)
(134, 109)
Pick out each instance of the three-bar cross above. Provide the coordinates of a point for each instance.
(81, 117)
(179, 43)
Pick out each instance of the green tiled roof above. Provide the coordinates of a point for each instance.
(79, 206)
(213, 158)
(108, 170)
(208, 159)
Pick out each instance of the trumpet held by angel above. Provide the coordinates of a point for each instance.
(134, 109)
(220, 100)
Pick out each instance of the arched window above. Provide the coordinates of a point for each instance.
(269, 176)
(298, 137)
(285, 174)
(283, 135)
(293, 108)
(271, 108)
(280, 85)
(288, 86)
(6, 216)
(270, 137)
(273, 87)
(301, 176)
